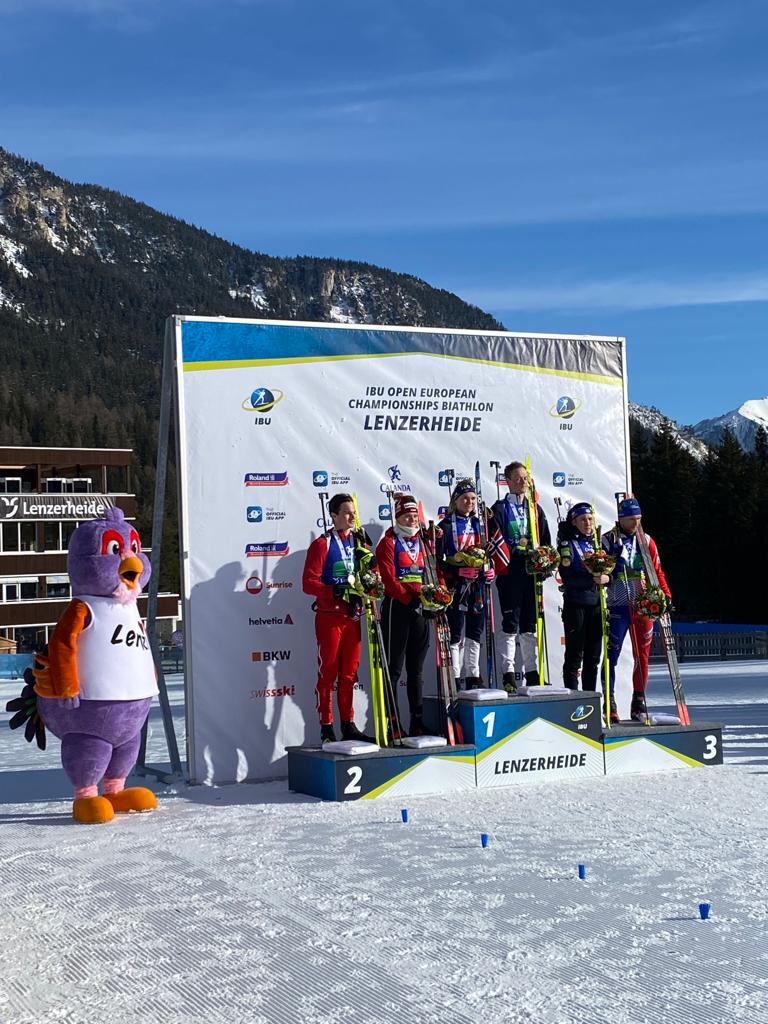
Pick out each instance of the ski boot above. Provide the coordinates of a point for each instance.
(473, 683)
(327, 735)
(532, 678)
(638, 710)
(349, 731)
(508, 681)
(416, 727)
(614, 713)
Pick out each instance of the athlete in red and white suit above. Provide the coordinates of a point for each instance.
(337, 621)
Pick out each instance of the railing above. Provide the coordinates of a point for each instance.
(714, 646)
(12, 665)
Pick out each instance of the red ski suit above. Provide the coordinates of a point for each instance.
(338, 638)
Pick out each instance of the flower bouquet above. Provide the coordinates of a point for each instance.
(369, 583)
(599, 562)
(542, 561)
(652, 603)
(435, 598)
(474, 557)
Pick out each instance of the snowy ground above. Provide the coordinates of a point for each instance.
(247, 904)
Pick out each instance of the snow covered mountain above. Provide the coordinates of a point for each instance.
(649, 421)
(743, 423)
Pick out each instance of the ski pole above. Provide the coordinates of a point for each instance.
(496, 467)
(323, 496)
(604, 626)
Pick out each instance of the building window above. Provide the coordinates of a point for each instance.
(67, 529)
(52, 533)
(28, 536)
(10, 537)
(57, 590)
(11, 591)
(28, 591)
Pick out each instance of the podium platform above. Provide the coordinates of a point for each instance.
(529, 739)
(635, 747)
(390, 771)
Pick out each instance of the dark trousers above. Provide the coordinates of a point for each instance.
(517, 598)
(406, 642)
(462, 617)
(583, 628)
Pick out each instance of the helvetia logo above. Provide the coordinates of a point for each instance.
(274, 620)
(266, 479)
(582, 711)
(565, 407)
(268, 549)
(262, 400)
(558, 479)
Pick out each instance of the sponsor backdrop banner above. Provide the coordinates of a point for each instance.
(272, 413)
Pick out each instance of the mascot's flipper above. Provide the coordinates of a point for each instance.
(92, 810)
(135, 798)
(25, 708)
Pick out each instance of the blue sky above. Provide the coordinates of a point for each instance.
(580, 168)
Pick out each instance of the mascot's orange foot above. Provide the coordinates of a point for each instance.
(135, 798)
(92, 810)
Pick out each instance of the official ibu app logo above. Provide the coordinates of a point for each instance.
(444, 478)
(385, 513)
(582, 711)
(261, 401)
(565, 408)
(442, 511)
(558, 479)
(320, 477)
(255, 514)
(267, 549)
(266, 479)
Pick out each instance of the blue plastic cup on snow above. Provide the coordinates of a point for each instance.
(404, 815)
(484, 839)
(704, 909)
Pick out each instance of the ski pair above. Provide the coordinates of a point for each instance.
(490, 637)
(446, 680)
(387, 728)
(538, 582)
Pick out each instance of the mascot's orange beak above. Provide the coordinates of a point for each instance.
(130, 571)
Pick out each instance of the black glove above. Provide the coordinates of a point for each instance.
(25, 708)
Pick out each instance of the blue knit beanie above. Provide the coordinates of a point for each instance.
(629, 507)
(581, 508)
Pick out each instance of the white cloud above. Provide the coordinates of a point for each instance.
(621, 293)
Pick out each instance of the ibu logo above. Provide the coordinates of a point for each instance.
(255, 514)
(564, 409)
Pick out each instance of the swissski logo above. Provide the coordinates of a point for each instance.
(261, 402)
(267, 549)
(266, 479)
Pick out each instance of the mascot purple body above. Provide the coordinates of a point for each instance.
(98, 681)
